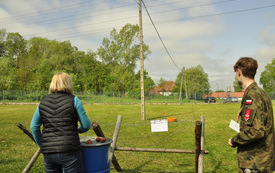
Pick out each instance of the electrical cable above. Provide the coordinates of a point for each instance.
(160, 37)
(218, 14)
(159, 22)
(195, 17)
(80, 15)
(58, 9)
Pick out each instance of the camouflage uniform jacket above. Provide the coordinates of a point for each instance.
(255, 141)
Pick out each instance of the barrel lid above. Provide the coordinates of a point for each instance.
(84, 139)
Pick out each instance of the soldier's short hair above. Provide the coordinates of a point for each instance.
(248, 66)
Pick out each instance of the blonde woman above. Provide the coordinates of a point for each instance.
(59, 113)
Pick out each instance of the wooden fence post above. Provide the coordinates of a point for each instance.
(25, 131)
(197, 143)
(158, 150)
(201, 168)
(36, 154)
(31, 162)
(115, 136)
(98, 131)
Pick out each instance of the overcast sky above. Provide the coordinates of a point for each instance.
(210, 33)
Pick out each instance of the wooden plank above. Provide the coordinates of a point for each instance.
(200, 164)
(36, 154)
(25, 131)
(98, 131)
(115, 136)
(160, 150)
(32, 161)
(197, 144)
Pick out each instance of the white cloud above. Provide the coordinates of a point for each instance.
(19, 7)
(202, 9)
(105, 18)
(215, 43)
(266, 53)
(267, 36)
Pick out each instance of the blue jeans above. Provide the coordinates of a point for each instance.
(69, 162)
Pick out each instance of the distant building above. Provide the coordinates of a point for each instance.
(223, 95)
(165, 89)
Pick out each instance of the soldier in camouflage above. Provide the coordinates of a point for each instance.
(255, 141)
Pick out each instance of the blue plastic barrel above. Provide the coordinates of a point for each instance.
(96, 155)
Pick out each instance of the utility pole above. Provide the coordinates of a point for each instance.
(186, 93)
(181, 82)
(141, 63)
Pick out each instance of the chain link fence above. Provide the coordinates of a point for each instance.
(21, 96)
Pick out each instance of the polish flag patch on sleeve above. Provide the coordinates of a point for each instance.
(247, 114)
(248, 102)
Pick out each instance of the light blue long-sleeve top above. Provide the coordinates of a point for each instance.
(36, 123)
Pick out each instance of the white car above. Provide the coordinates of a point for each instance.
(231, 99)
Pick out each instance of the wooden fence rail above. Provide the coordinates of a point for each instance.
(199, 146)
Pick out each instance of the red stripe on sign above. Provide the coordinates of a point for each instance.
(247, 114)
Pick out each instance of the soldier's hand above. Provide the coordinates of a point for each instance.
(230, 143)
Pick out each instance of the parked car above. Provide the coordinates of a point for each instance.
(210, 100)
(231, 99)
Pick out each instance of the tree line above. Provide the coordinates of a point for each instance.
(30, 64)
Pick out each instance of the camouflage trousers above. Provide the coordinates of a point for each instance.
(243, 170)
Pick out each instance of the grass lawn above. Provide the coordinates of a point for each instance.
(16, 148)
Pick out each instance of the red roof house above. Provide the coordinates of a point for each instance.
(165, 89)
(224, 94)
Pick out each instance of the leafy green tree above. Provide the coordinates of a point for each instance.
(43, 75)
(7, 74)
(16, 46)
(40, 66)
(61, 56)
(14, 52)
(3, 35)
(120, 53)
(267, 78)
(148, 81)
(196, 80)
(39, 47)
(7, 79)
(91, 73)
(30, 64)
(24, 73)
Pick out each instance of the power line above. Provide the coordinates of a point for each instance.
(195, 6)
(160, 36)
(111, 20)
(159, 22)
(57, 9)
(134, 16)
(218, 14)
(82, 15)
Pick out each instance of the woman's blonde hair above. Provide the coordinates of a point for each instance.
(61, 82)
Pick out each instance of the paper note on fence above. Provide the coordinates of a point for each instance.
(159, 125)
(235, 126)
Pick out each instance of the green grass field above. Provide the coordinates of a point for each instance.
(16, 148)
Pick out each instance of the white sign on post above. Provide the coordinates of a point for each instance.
(159, 125)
